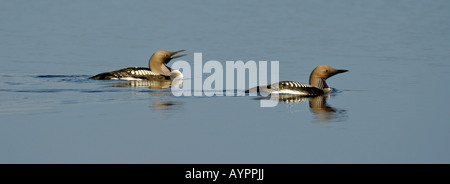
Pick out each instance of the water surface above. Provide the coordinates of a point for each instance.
(391, 105)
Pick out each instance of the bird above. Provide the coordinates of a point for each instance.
(157, 71)
(317, 84)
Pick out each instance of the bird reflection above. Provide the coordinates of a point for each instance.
(317, 104)
(165, 107)
(152, 84)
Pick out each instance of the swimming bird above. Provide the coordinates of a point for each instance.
(317, 84)
(158, 69)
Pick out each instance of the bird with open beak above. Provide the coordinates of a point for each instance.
(158, 69)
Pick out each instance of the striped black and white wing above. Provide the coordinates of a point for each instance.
(292, 87)
(131, 73)
(288, 87)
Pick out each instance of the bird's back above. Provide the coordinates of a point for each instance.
(131, 73)
(288, 87)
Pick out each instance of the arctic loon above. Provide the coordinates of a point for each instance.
(158, 69)
(317, 84)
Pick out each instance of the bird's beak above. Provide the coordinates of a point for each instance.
(334, 72)
(341, 71)
(173, 56)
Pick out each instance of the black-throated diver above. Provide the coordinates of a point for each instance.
(317, 84)
(158, 69)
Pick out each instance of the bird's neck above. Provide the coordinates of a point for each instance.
(318, 82)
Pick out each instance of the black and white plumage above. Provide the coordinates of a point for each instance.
(317, 84)
(287, 87)
(131, 73)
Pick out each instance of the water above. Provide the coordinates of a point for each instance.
(391, 105)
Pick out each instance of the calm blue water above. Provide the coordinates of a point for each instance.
(391, 106)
